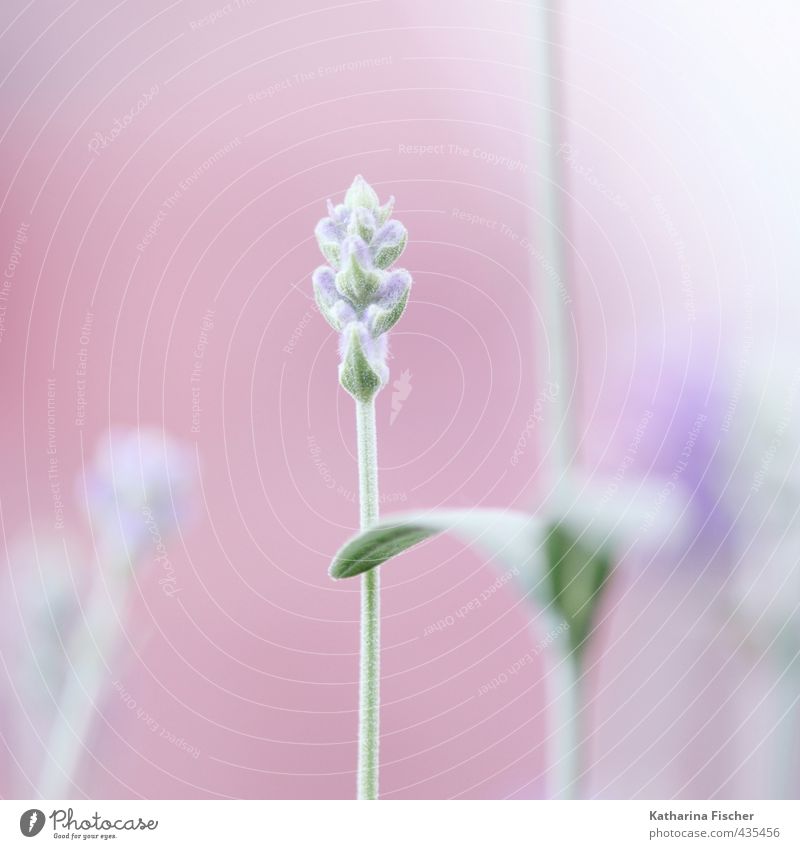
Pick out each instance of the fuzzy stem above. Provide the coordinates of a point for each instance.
(369, 686)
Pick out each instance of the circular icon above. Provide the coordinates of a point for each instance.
(31, 822)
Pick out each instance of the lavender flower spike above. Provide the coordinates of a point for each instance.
(362, 298)
(357, 293)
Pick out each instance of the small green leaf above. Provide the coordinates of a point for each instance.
(507, 536)
(376, 546)
(577, 575)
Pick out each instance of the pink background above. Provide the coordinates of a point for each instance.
(254, 663)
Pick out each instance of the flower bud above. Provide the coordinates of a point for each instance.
(385, 212)
(335, 309)
(363, 369)
(387, 311)
(382, 319)
(362, 224)
(358, 294)
(388, 244)
(329, 241)
(361, 194)
(357, 281)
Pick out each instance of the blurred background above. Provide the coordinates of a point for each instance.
(629, 167)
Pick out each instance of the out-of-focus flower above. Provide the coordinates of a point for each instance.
(667, 434)
(358, 294)
(138, 479)
(139, 487)
(723, 449)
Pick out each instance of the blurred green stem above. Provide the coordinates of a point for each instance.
(369, 687)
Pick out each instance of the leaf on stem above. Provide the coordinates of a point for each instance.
(563, 570)
(507, 535)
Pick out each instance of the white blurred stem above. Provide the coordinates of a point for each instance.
(564, 705)
(547, 225)
(565, 698)
(93, 644)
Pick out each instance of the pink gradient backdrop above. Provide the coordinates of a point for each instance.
(254, 662)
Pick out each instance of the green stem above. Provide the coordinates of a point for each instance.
(369, 686)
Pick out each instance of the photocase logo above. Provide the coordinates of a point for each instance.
(65, 824)
(402, 389)
(31, 822)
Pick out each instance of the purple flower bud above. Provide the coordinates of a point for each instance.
(329, 240)
(394, 286)
(335, 308)
(356, 247)
(362, 223)
(324, 281)
(357, 281)
(388, 244)
(340, 215)
(344, 312)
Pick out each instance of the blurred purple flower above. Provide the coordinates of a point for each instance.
(667, 434)
(139, 477)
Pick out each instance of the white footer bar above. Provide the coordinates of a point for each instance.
(389, 824)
